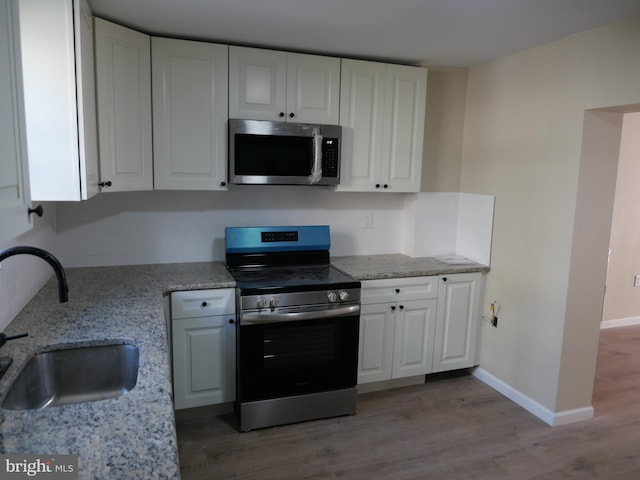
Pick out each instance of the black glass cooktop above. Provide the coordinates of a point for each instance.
(291, 278)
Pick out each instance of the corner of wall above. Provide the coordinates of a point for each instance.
(22, 276)
(444, 125)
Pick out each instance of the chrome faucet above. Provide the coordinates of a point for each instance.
(63, 288)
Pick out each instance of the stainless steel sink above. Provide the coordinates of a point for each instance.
(74, 375)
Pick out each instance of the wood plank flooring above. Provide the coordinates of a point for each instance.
(452, 428)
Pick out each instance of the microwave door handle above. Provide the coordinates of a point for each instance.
(316, 170)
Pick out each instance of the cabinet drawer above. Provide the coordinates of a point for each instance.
(399, 289)
(203, 303)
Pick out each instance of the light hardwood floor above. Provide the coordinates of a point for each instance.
(453, 428)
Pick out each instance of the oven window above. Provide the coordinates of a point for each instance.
(272, 155)
(294, 358)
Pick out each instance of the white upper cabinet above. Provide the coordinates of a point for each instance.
(382, 109)
(14, 173)
(123, 75)
(190, 111)
(257, 83)
(59, 90)
(282, 86)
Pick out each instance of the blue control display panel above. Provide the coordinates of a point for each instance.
(277, 239)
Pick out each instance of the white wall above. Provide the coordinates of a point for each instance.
(22, 276)
(523, 143)
(183, 226)
(449, 223)
(622, 299)
(164, 227)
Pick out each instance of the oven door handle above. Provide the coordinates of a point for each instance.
(258, 318)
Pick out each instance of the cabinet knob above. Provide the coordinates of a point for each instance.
(401, 307)
(291, 115)
(281, 114)
(377, 185)
(105, 184)
(444, 279)
(231, 321)
(38, 210)
(385, 186)
(397, 290)
(204, 304)
(223, 184)
(393, 308)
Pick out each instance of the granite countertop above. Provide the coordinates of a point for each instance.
(395, 265)
(131, 436)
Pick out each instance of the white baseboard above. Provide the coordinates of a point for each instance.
(529, 404)
(620, 322)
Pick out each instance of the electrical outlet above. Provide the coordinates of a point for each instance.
(494, 308)
(636, 281)
(368, 220)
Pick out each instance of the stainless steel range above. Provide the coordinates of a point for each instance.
(298, 326)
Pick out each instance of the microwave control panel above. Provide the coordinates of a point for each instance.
(330, 154)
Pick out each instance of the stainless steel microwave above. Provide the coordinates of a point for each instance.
(281, 153)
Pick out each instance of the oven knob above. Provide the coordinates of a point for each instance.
(262, 302)
(275, 301)
(343, 295)
(332, 296)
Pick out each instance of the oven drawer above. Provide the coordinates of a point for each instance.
(399, 289)
(203, 303)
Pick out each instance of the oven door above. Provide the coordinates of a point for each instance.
(296, 353)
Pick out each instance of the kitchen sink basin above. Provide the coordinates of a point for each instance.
(74, 375)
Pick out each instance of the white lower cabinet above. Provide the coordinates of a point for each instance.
(203, 347)
(418, 325)
(457, 323)
(397, 326)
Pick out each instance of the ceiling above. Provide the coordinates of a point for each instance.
(426, 32)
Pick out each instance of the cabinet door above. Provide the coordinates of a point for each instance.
(86, 94)
(59, 90)
(203, 361)
(457, 321)
(375, 351)
(14, 173)
(257, 83)
(190, 81)
(404, 124)
(361, 117)
(123, 75)
(414, 334)
(313, 89)
(399, 289)
(203, 303)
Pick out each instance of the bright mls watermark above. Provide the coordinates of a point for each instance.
(51, 467)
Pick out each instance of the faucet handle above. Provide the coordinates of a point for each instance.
(4, 338)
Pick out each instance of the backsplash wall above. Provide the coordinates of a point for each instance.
(22, 276)
(188, 226)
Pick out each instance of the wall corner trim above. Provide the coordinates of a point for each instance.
(543, 413)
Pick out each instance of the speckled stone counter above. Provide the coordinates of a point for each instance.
(373, 267)
(131, 436)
